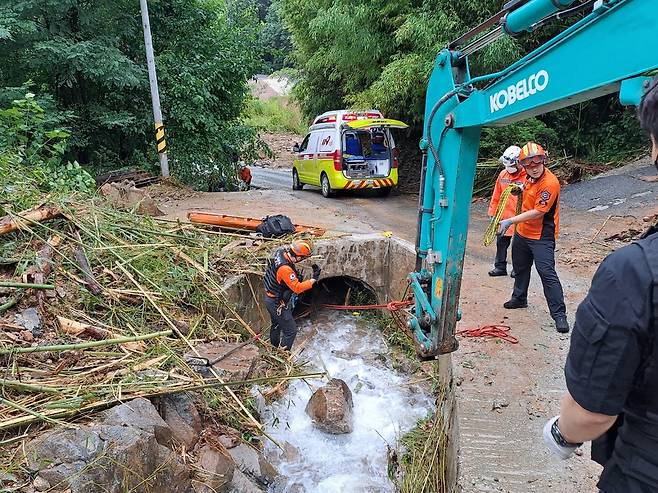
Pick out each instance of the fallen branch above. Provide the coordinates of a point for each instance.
(44, 265)
(14, 222)
(93, 285)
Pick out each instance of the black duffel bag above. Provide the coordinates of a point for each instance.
(276, 226)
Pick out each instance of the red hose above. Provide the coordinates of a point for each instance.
(495, 331)
(392, 306)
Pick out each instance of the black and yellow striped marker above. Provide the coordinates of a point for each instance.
(160, 140)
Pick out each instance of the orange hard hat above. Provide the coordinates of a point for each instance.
(300, 248)
(532, 150)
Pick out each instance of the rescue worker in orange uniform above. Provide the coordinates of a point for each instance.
(512, 174)
(245, 176)
(281, 282)
(537, 228)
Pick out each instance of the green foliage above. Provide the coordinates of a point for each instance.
(32, 158)
(89, 57)
(379, 54)
(277, 114)
(275, 39)
(496, 139)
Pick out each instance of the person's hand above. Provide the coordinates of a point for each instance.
(316, 271)
(517, 189)
(556, 442)
(504, 226)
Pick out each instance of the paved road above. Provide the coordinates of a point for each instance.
(271, 178)
(627, 190)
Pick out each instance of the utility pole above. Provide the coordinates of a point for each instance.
(155, 95)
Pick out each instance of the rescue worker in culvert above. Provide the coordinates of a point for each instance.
(512, 174)
(282, 281)
(612, 367)
(536, 230)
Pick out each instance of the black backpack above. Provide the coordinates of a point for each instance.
(276, 226)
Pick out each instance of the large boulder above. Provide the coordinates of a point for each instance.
(126, 452)
(107, 459)
(331, 408)
(140, 413)
(181, 415)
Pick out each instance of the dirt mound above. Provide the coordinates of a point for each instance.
(281, 146)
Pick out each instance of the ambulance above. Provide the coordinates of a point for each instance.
(348, 150)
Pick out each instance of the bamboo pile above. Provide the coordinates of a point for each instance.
(122, 298)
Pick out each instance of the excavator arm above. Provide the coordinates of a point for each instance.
(606, 51)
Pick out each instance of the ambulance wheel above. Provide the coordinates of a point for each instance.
(296, 184)
(383, 192)
(326, 186)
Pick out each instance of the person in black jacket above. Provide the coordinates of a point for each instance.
(612, 367)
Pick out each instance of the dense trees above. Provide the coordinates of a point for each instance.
(85, 62)
(379, 53)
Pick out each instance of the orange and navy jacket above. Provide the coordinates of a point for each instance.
(282, 275)
(245, 175)
(542, 194)
(502, 182)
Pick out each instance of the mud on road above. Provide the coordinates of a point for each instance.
(505, 392)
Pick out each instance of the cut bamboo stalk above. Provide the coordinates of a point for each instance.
(11, 223)
(25, 285)
(85, 345)
(26, 387)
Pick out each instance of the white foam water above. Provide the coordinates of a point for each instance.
(386, 405)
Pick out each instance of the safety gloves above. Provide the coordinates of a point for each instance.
(316, 271)
(504, 226)
(556, 442)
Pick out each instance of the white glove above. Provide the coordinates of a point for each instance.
(556, 442)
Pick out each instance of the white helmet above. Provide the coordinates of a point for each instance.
(510, 158)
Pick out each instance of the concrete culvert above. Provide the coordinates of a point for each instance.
(339, 290)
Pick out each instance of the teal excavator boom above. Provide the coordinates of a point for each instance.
(610, 49)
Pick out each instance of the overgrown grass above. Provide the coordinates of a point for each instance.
(277, 114)
(425, 463)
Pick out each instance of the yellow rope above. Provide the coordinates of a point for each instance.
(492, 229)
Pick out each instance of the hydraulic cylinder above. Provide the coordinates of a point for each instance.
(523, 18)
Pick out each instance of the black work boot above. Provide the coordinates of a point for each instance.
(515, 303)
(561, 325)
(497, 272)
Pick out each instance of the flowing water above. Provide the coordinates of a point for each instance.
(386, 405)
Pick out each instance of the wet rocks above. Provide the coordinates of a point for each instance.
(216, 470)
(331, 408)
(236, 363)
(182, 417)
(114, 456)
(252, 463)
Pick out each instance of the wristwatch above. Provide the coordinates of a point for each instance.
(559, 439)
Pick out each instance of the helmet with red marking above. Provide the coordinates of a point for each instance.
(532, 152)
(300, 248)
